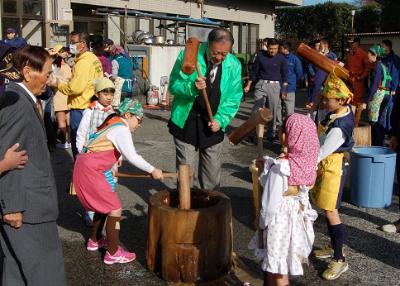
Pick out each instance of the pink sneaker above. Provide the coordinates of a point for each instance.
(93, 246)
(120, 256)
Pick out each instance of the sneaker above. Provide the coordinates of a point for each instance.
(95, 245)
(392, 228)
(326, 252)
(120, 256)
(335, 269)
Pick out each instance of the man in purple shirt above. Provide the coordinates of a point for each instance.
(271, 71)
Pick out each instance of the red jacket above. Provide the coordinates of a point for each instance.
(358, 64)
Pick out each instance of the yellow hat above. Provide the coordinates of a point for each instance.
(57, 48)
(336, 88)
(101, 83)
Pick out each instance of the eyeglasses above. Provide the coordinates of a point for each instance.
(216, 53)
(73, 43)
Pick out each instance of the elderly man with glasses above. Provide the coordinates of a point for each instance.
(194, 133)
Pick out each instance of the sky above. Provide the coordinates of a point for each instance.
(312, 2)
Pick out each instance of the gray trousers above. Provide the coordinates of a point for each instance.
(206, 168)
(288, 104)
(270, 93)
(33, 255)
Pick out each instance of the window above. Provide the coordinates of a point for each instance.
(253, 37)
(9, 6)
(244, 39)
(81, 26)
(33, 7)
(26, 16)
(32, 31)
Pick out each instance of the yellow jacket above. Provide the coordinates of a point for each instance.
(80, 88)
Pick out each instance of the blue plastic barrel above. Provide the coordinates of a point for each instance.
(371, 176)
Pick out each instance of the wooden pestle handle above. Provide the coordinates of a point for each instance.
(184, 187)
(205, 97)
(144, 175)
(260, 140)
(261, 116)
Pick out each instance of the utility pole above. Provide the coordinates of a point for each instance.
(353, 13)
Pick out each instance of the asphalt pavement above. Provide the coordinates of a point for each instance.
(373, 256)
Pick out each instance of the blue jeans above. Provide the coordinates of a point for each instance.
(76, 117)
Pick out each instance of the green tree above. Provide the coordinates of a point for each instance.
(390, 15)
(331, 20)
(368, 19)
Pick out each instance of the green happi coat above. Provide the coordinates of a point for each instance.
(184, 91)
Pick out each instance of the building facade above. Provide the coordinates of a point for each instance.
(47, 22)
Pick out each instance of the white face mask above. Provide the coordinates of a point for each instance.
(73, 49)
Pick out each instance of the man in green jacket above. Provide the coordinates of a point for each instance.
(190, 125)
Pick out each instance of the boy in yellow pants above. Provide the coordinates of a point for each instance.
(335, 134)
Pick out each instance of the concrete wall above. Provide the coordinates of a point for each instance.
(368, 41)
(261, 14)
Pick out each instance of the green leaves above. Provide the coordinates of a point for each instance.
(330, 20)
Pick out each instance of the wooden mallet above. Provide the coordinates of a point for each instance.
(261, 116)
(321, 61)
(190, 64)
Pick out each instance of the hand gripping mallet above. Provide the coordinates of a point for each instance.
(189, 65)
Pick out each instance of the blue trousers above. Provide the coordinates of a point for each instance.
(76, 117)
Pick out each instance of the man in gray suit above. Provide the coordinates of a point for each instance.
(28, 197)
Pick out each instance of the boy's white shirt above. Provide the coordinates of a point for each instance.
(84, 126)
(333, 140)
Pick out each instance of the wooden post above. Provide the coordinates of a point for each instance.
(358, 112)
(184, 187)
(260, 140)
(260, 151)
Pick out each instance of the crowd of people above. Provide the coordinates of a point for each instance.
(336, 109)
(374, 80)
(89, 87)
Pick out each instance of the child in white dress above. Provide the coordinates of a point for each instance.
(286, 216)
